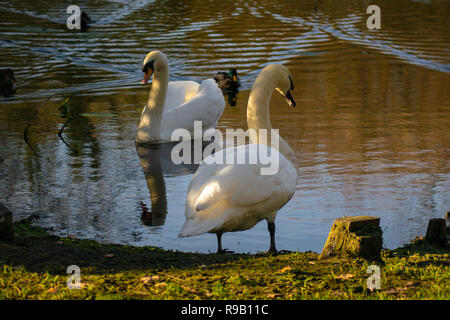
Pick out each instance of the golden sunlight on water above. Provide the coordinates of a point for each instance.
(370, 129)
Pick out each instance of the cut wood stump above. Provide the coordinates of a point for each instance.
(447, 230)
(6, 224)
(447, 218)
(354, 236)
(436, 231)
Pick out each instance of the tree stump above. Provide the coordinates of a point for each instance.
(447, 231)
(6, 224)
(447, 218)
(354, 236)
(436, 231)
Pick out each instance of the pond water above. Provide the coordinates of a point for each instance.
(370, 130)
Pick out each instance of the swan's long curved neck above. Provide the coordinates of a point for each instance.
(157, 95)
(150, 124)
(258, 115)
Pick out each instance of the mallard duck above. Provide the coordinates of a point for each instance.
(177, 104)
(234, 197)
(85, 20)
(7, 82)
(228, 81)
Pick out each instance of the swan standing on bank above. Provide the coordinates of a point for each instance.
(234, 197)
(177, 104)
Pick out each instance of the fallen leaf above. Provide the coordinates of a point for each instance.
(272, 295)
(285, 269)
(142, 293)
(391, 291)
(53, 290)
(401, 289)
(396, 290)
(345, 276)
(189, 289)
(148, 279)
(161, 284)
(83, 285)
(145, 280)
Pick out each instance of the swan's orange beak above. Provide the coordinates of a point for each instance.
(147, 76)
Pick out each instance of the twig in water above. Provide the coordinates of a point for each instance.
(63, 110)
(63, 140)
(25, 132)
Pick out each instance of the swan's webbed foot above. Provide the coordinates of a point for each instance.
(222, 251)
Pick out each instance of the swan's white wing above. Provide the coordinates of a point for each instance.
(206, 106)
(236, 195)
(241, 185)
(179, 92)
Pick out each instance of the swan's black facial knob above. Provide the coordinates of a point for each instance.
(291, 82)
(289, 98)
(148, 70)
(148, 65)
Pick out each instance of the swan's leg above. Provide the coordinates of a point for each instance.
(271, 227)
(219, 245)
(219, 242)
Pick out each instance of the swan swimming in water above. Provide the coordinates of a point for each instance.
(234, 197)
(176, 104)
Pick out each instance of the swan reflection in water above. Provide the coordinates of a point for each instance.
(156, 161)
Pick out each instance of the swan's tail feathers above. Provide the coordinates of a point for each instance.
(208, 84)
(195, 227)
(211, 88)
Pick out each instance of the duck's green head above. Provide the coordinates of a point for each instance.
(233, 75)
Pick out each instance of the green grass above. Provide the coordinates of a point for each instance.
(34, 267)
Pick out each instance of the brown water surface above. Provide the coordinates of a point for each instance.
(371, 126)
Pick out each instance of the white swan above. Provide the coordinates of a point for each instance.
(177, 104)
(234, 197)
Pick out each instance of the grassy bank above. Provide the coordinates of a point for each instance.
(34, 267)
